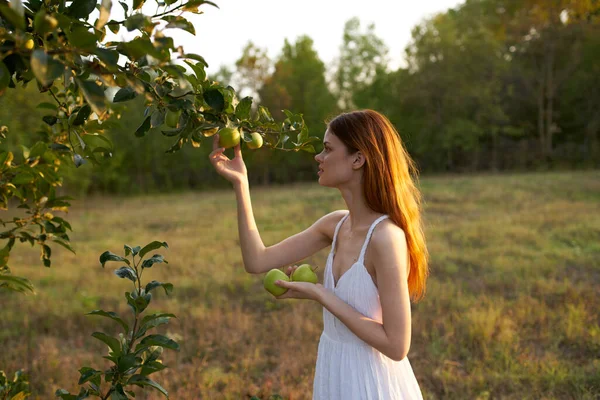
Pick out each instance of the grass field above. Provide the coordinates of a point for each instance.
(511, 311)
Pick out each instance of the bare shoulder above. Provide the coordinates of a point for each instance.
(388, 240)
(328, 222)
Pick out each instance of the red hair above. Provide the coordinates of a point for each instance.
(390, 178)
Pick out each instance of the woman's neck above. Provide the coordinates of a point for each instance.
(361, 215)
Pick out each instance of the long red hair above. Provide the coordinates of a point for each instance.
(389, 178)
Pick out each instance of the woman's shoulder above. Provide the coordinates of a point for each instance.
(387, 233)
(328, 222)
(387, 230)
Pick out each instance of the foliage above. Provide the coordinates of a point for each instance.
(17, 389)
(55, 46)
(132, 365)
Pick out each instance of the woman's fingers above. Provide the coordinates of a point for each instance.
(291, 269)
(237, 150)
(217, 151)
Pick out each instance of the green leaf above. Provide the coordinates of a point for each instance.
(138, 303)
(176, 146)
(126, 272)
(196, 57)
(114, 26)
(4, 76)
(50, 119)
(152, 246)
(125, 8)
(152, 367)
(178, 22)
(131, 250)
(198, 71)
(159, 340)
(168, 287)
(142, 381)
(49, 106)
(82, 115)
(124, 94)
(155, 259)
(109, 314)
(242, 110)
(44, 67)
(65, 395)
(215, 99)
(38, 150)
(136, 21)
(23, 178)
(113, 343)
(94, 95)
(81, 9)
(195, 3)
(16, 20)
(158, 118)
(127, 362)
(143, 128)
(79, 36)
(118, 393)
(152, 321)
(264, 115)
(89, 374)
(108, 256)
(16, 284)
(109, 57)
(139, 48)
(138, 4)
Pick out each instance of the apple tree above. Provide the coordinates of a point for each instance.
(70, 51)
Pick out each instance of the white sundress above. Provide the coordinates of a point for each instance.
(348, 368)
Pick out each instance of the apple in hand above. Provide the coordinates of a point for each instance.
(269, 282)
(304, 273)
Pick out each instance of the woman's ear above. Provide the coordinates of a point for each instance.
(359, 160)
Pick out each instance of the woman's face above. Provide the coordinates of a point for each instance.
(335, 164)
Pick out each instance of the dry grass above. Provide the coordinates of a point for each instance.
(511, 310)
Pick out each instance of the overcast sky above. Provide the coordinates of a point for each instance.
(222, 33)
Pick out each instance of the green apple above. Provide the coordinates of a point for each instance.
(304, 273)
(257, 141)
(229, 137)
(172, 118)
(269, 281)
(44, 23)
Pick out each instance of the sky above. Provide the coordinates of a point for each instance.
(221, 34)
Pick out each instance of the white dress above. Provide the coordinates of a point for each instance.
(347, 367)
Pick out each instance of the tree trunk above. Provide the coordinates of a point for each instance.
(541, 130)
(593, 145)
(549, 86)
(494, 165)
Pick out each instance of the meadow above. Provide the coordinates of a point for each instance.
(511, 310)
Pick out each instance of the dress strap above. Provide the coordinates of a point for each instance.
(361, 258)
(337, 228)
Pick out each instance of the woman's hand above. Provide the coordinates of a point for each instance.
(300, 290)
(233, 170)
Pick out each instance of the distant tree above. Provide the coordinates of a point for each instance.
(363, 55)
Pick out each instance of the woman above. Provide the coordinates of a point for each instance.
(378, 259)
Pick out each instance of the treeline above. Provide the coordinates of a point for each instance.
(490, 85)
